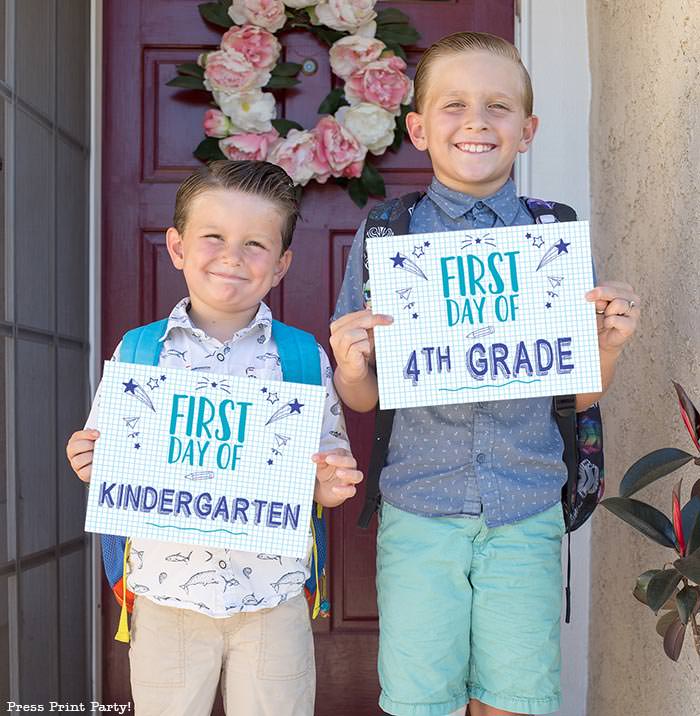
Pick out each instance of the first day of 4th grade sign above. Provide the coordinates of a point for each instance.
(484, 314)
(202, 458)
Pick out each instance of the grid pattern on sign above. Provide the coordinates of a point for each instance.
(549, 304)
(289, 479)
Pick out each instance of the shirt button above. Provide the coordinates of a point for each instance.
(479, 205)
(481, 458)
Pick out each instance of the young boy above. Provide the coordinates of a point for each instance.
(232, 230)
(468, 557)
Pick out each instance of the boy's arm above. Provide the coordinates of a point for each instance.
(617, 311)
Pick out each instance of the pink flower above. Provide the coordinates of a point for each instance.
(248, 146)
(337, 148)
(230, 71)
(381, 82)
(348, 15)
(297, 154)
(353, 52)
(263, 13)
(257, 45)
(216, 123)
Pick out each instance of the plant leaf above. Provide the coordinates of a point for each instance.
(373, 181)
(640, 589)
(208, 150)
(216, 13)
(400, 131)
(651, 467)
(677, 520)
(686, 602)
(664, 622)
(332, 101)
(661, 586)
(694, 539)
(327, 35)
(284, 125)
(647, 519)
(276, 82)
(689, 413)
(673, 639)
(286, 69)
(186, 82)
(391, 15)
(358, 192)
(689, 566)
(190, 68)
(695, 489)
(397, 34)
(689, 520)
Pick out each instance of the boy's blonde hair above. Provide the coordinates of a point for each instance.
(250, 177)
(467, 42)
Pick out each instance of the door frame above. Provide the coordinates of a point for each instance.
(553, 41)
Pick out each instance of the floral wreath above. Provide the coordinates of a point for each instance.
(365, 115)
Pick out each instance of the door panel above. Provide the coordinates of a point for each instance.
(150, 130)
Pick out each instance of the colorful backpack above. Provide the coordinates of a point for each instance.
(300, 364)
(582, 433)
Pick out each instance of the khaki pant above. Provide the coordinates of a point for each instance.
(265, 660)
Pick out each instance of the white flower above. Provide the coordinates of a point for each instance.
(263, 13)
(355, 16)
(369, 124)
(249, 111)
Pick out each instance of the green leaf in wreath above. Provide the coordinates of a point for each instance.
(390, 16)
(372, 179)
(325, 34)
(673, 639)
(190, 68)
(186, 82)
(284, 125)
(398, 51)
(661, 586)
(358, 192)
(280, 83)
(687, 602)
(640, 589)
(646, 519)
(397, 34)
(208, 150)
(400, 131)
(286, 69)
(651, 467)
(689, 566)
(216, 13)
(332, 101)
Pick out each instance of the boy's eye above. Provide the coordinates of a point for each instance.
(216, 237)
(256, 244)
(455, 104)
(499, 106)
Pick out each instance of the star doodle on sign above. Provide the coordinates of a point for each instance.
(214, 384)
(153, 383)
(296, 406)
(548, 304)
(263, 390)
(130, 387)
(163, 377)
(269, 462)
(418, 251)
(398, 260)
(528, 235)
(426, 244)
(137, 445)
(561, 246)
(415, 315)
(538, 242)
(272, 398)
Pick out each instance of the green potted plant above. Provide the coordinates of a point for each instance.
(673, 591)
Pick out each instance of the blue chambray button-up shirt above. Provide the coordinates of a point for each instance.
(503, 457)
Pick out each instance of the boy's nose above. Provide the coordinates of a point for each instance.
(475, 120)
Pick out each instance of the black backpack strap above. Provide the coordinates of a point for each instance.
(390, 218)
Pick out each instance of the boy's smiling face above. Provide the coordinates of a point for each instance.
(473, 121)
(231, 255)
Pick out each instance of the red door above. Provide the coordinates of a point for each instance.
(149, 133)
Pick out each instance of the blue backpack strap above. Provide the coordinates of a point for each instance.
(139, 345)
(300, 363)
(143, 345)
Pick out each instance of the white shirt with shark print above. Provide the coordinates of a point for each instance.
(222, 582)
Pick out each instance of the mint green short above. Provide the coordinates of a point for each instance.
(468, 612)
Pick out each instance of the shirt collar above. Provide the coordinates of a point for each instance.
(180, 318)
(504, 203)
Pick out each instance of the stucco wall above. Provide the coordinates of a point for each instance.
(645, 183)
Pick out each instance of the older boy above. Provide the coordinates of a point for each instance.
(468, 557)
(232, 230)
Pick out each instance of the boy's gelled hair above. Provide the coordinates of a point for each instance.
(469, 42)
(250, 177)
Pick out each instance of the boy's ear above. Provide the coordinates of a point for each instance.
(416, 130)
(173, 240)
(282, 267)
(529, 130)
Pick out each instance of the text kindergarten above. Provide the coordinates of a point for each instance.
(205, 459)
(489, 314)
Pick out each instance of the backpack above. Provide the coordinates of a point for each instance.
(582, 433)
(300, 364)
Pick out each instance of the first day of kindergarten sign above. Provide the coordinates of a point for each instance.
(485, 314)
(206, 459)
